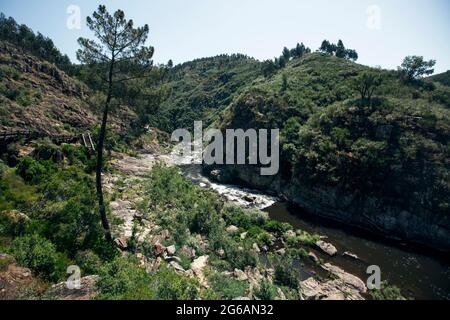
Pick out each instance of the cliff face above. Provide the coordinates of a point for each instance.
(383, 216)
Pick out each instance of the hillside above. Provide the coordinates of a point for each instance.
(381, 165)
(201, 87)
(35, 95)
(443, 78)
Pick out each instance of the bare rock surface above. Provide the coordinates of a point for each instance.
(86, 291)
(326, 247)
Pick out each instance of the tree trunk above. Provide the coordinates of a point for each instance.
(99, 167)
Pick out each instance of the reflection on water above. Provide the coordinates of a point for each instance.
(419, 275)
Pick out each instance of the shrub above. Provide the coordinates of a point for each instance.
(285, 274)
(277, 227)
(39, 255)
(88, 261)
(387, 292)
(266, 291)
(9, 72)
(303, 239)
(169, 285)
(13, 223)
(227, 287)
(242, 218)
(31, 170)
(239, 257)
(14, 193)
(123, 279)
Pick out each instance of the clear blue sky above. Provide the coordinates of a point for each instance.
(186, 29)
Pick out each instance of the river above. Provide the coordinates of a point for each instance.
(420, 274)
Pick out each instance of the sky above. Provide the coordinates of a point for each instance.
(383, 32)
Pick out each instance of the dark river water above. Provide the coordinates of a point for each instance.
(420, 274)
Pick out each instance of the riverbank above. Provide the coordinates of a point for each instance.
(317, 280)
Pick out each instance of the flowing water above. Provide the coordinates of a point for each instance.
(419, 274)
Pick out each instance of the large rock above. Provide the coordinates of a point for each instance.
(86, 291)
(349, 279)
(171, 250)
(422, 224)
(197, 266)
(15, 282)
(232, 230)
(240, 275)
(327, 248)
(311, 289)
(177, 266)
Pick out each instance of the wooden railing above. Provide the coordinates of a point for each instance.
(11, 136)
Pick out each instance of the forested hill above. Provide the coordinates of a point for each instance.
(199, 88)
(377, 161)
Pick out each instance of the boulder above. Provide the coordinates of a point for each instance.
(197, 266)
(327, 248)
(232, 230)
(86, 291)
(171, 250)
(350, 255)
(240, 275)
(313, 257)
(311, 289)
(290, 234)
(177, 266)
(256, 248)
(121, 243)
(188, 251)
(350, 280)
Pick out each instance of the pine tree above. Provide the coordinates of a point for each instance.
(120, 49)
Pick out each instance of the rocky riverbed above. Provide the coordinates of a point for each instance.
(125, 187)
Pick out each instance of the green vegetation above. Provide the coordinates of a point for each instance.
(201, 87)
(57, 223)
(123, 279)
(361, 130)
(387, 292)
(36, 44)
(40, 255)
(415, 67)
(338, 50)
(225, 287)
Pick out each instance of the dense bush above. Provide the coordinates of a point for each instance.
(285, 273)
(123, 279)
(266, 291)
(387, 292)
(39, 255)
(31, 170)
(226, 287)
(192, 208)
